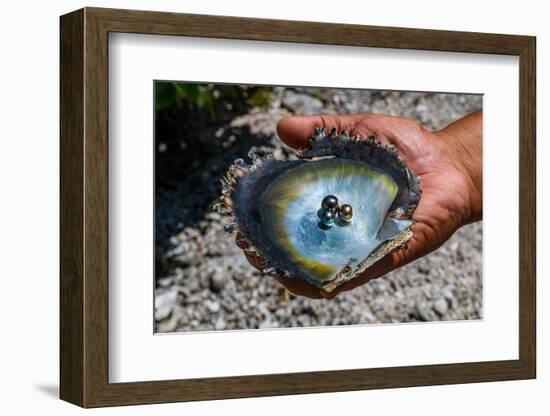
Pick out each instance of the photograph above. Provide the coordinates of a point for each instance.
(292, 206)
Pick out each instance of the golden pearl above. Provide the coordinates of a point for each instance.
(345, 213)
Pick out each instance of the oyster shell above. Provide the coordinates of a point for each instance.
(276, 206)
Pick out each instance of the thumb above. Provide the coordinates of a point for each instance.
(295, 131)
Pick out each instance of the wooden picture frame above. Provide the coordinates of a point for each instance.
(84, 207)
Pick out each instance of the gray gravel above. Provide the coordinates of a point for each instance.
(206, 283)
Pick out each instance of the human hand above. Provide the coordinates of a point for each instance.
(448, 163)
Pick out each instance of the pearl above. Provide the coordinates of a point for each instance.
(345, 213)
(330, 202)
(327, 217)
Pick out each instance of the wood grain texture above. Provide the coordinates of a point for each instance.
(527, 207)
(84, 207)
(96, 218)
(72, 367)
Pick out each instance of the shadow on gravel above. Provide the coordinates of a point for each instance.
(192, 153)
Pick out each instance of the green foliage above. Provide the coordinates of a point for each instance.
(209, 96)
(260, 97)
(169, 94)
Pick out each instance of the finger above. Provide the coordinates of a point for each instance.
(293, 285)
(297, 287)
(296, 131)
(255, 260)
(241, 241)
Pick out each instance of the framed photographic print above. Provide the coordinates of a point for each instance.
(256, 207)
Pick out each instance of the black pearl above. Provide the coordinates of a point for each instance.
(345, 213)
(327, 217)
(330, 202)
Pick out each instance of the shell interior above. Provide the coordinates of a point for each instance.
(289, 213)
